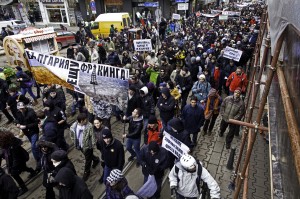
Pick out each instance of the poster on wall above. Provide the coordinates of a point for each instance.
(102, 82)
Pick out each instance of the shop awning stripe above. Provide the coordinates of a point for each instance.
(39, 38)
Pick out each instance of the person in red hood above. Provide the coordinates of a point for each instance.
(237, 79)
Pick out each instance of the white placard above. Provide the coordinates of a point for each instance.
(223, 17)
(174, 146)
(183, 6)
(176, 16)
(142, 45)
(232, 53)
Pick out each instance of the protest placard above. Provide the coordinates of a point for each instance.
(176, 16)
(223, 17)
(142, 45)
(232, 53)
(173, 145)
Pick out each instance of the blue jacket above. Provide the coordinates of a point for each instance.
(193, 118)
(201, 89)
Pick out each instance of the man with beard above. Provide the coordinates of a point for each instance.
(233, 107)
(237, 79)
(184, 81)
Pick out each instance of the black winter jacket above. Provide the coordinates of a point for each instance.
(135, 127)
(30, 120)
(113, 154)
(133, 103)
(166, 106)
(8, 187)
(147, 106)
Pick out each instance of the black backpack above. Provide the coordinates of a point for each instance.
(201, 185)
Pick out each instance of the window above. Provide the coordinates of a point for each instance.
(95, 25)
(56, 14)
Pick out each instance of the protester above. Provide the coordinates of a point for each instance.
(185, 179)
(233, 107)
(16, 157)
(8, 186)
(112, 153)
(166, 105)
(237, 79)
(71, 186)
(84, 140)
(117, 186)
(154, 160)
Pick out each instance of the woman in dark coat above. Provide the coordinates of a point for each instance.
(16, 157)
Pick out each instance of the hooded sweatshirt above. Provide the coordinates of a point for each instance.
(180, 133)
(166, 106)
(75, 187)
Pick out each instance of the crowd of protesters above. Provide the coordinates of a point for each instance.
(181, 87)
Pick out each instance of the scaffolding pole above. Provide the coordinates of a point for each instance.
(263, 101)
(291, 118)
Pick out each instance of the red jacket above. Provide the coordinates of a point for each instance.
(234, 81)
(154, 135)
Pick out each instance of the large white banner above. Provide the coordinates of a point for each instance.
(174, 146)
(142, 45)
(232, 53)
(102, 82)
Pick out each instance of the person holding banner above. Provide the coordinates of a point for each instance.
(154, 161)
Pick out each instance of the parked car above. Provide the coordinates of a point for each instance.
(64, 38)
(16, 25)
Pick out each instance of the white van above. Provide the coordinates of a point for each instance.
(17, 25)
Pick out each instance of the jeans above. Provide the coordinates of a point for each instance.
(29, 90)
(136, 143)
(106, 173)
(145, 120)
(34, 148)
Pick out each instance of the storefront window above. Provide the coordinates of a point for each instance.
(56, 14)
(35, 11)
(113, 6)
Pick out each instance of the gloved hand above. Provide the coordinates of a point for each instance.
(173, 191)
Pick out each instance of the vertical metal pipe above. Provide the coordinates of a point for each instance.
(260, 111)
(291, 118)
(245, 191)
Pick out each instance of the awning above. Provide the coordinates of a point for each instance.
(39, 38)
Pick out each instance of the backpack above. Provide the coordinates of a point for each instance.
(201, 185)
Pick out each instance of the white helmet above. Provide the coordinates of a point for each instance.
(187, 161)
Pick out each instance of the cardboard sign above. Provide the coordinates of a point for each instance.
(142, 45)
(173, 145)
(182, 6)
(232, 53)
(176, 16)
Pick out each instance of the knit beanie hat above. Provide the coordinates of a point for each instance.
(153, 146)
(115, 176)
(106, 133)
(152, 120)
(59, 155)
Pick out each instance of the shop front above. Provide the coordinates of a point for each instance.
(54, 11)
(113, 6)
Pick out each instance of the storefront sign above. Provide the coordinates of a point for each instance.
(142, 45)
(52, 1)
(232, 53)
(151, 4)
(181, 1)
(173, 145)
(183, 6)
(93, 6)
(176, 16)
(40, 31)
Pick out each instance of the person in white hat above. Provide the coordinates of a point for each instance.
(201, 88)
